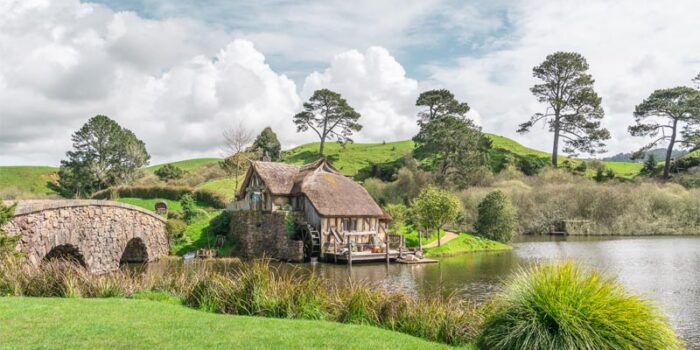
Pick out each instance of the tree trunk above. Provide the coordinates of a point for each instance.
(669, 151)
(320, 151)
(555, 148)
(420, 240)
(439, 242)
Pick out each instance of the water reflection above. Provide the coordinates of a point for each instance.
(665, 269)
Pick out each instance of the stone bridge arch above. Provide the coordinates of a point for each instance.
(99, 234)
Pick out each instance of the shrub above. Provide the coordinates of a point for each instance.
(220, 224)
(169, 172)
(399, 214)
(7, 243)
(497, 217)
(210, 198)
(566, 307)
(176, 229)
(531, 165)
(189, 210)
(162, 192)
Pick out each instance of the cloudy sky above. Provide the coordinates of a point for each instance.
(177, 73)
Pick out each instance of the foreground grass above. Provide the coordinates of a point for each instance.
(64, 323)
(466, 243)
(28, 180)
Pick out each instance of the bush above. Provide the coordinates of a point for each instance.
(7, 243)
(399, 214)
(161, 192)
(567, 307)
(210, 198)
(176, 229)
(189, 210)
(169, 172)
(497, 217)
(220, 224)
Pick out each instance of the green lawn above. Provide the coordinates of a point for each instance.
(188, 165)
(65, 323)
(197, 236)
(28, 180)
(465, 243)
(625, 169)
(224, 186)
(411, 236)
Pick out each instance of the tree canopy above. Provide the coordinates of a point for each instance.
(329, 116)
(452, 141)
(669, 116)
(267, 143)
(573, 108)
(434, 208)
(497, 217)
(104, 154)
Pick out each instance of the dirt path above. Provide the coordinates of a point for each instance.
(446, 237)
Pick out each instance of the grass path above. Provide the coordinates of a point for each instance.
(448, 236)
(65, 323)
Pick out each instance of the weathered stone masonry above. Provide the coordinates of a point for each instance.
(264, 234)
(99, 230)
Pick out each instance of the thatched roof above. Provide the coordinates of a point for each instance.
(331, 193)
(278, 177)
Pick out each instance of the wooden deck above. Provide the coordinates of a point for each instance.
(359, 257)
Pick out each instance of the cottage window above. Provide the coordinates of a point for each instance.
(350, 224)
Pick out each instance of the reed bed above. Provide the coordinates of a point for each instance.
(254, 289)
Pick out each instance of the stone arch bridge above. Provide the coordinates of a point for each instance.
(99, 234)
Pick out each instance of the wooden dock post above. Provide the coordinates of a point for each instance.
(335, 250)
(349, 253)
(386, 238)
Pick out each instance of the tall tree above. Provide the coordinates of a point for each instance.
(236, 139)
(329, 116)
(267, 142)
(449, 138)
(438, 104)
(104, 154)
(435, 208)
(573, 108)
(696, 80)
(668, 115)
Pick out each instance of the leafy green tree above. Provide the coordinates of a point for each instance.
(399, 214)
(329, 116)
(696, 80)
(267, 143)
(7, 243)
(169, 172)
(104, 154)
(454, 143)
(573, 108)
(435, 208)
(438, 104)
(497, 217)
(668, 115)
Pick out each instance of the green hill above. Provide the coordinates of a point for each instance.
(27, 181)
(360, 160)
(188, 165)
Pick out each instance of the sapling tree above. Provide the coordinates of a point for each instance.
(670, 116)
(329, 116)
(236, 139)
(574, 109)
(435, 208)
(7, 243)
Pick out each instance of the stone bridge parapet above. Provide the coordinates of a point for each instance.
(99, 234)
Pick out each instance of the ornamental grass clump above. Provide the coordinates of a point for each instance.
(564, 306)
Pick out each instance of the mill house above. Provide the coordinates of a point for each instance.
(339, 220)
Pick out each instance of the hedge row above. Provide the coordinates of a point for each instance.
(203, 197)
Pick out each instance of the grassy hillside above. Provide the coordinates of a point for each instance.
(359, 160)
(75, 323)
(27, 180)
(188, 165)
(352, 159)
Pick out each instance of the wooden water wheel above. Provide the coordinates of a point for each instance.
(312, 242)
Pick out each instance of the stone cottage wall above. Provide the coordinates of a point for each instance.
(264, 234)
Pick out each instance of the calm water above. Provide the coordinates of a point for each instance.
(665, 269)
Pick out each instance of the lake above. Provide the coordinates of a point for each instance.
(665, 269)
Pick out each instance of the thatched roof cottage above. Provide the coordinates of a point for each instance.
(333, 206)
